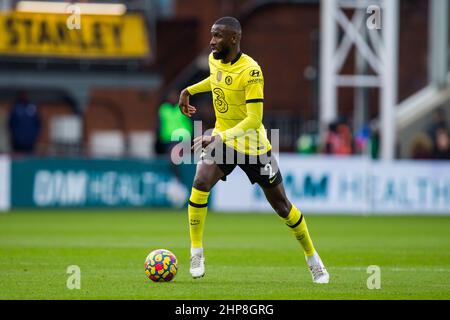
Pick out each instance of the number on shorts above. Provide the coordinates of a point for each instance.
(268, 167)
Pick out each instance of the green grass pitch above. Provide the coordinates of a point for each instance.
(248, 256)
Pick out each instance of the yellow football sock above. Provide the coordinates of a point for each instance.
(198, 206)
(296, 222)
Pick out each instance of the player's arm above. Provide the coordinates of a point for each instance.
(251, 122)
(254, 98)
(183, 103)
(199, 87)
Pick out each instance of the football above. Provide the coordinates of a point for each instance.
(161, 265)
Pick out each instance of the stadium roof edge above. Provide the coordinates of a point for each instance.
(78, 85)
(86, 79)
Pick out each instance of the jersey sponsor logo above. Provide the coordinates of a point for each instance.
(253, 81)
(255, 73)
(219, 76)
(219, 101)
(228, 80)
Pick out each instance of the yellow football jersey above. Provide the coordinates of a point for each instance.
(237, 91)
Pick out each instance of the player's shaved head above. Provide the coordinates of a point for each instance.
(230, 23)
(226, 37)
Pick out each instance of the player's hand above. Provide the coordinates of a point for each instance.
(205, 142)
(184, 105)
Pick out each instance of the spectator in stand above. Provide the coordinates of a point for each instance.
(362, 140)
(307, 143)
(24, 125)
(441, 149)
(339, 139)
(422, 147)
(170, 119)
(439, 120)
(374, 139)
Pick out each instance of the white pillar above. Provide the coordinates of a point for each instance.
(438, 42)
(360, 98)
(390, 25)
(328, 92)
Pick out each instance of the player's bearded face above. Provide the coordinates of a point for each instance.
(221, 52)
(220, 42)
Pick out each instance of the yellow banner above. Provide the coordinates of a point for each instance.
(57, 35)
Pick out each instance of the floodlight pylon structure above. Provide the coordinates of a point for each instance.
(373, 31)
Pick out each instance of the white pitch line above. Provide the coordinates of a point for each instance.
(395, 269)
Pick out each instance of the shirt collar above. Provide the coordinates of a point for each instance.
(237, 58)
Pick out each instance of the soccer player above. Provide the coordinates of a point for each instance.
(236, 82)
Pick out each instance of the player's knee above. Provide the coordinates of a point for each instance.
(201, 184)
(282, 208)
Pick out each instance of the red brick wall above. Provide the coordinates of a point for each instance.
(413, 49)
(205, 12)
(177, 44)
(124, 110)
(279, 38)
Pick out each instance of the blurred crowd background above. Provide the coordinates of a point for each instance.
(114, 94)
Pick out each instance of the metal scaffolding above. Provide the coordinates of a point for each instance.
(376, 46)
(376, 57)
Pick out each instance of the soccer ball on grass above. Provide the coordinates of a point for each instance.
(161, 265)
